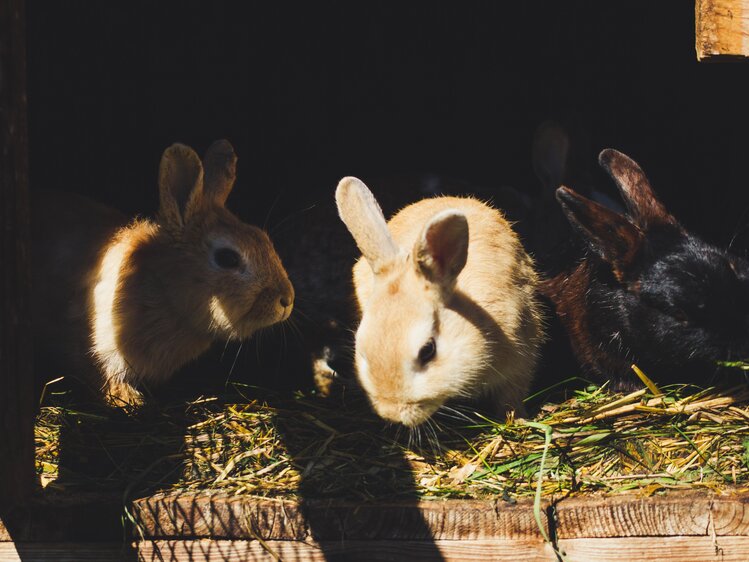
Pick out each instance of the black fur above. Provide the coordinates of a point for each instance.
(646, 291)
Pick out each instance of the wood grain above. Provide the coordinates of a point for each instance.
(696, 514)
(235, 551)
(721, 29)
(66, 552)
(661, 549)
(665, 549)
(17, 409)
(201, 516)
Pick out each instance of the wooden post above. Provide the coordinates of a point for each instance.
(17, 475)
(722, 29)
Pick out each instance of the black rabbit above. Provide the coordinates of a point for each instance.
(645, 291)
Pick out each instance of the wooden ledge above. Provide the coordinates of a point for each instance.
(695, 525)
(722, 29)
(199, 516)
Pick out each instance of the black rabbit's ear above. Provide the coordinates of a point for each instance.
(220, 163)
(642, 204)
(609, 234)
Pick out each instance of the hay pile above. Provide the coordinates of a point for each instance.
(595, 441)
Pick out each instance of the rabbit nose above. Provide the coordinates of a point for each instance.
(287, 295)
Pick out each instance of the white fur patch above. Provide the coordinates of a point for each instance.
(362, 370)
(419, 335)
(103, 323)
(219, 319)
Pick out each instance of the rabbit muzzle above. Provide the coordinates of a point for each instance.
(409, 414)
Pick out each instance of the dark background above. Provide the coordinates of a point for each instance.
(310, 92)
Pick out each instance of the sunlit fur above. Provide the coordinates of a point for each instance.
(645, 291)
(487, 330)
(142, 299)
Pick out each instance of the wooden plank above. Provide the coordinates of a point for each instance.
(201, 516)
(721, 29)
(673, 514)
(499, 550)
(657, 549)
(17, 409)
(66, 552)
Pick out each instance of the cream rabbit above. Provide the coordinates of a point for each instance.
(120, 303)
(447, 300)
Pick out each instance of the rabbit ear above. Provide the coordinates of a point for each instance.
(220, 163)
(609, 234)
(551, 148)
(441, 250)
(180, 184)
(642, 204)
(363, 217)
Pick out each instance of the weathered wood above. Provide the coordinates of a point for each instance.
(695, 514)
(500, 550)
(657, 549)
(721, 29)
(66, 552)
(201, 516)
(17, 474)
(665, 549)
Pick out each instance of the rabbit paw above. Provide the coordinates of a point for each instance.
(324, 375)
(122, 394)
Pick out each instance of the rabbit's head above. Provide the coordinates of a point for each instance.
(649, 292)
(414, 347)
(218, 261)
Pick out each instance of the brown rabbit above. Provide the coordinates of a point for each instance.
(119, 303)
(448, 307)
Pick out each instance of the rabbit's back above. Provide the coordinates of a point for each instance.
(69, 235)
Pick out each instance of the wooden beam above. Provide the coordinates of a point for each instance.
(196, 516)
(722, 29)
(66, 552)
(498, 550)
(17, 475)
(656, 549)
(676, 514)
(624, 549)
(201, 515)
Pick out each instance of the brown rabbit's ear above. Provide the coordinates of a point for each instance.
(551, 148)
(363, 217)
(180, 184)
(441, 250)
(609, 234)
(220, 162)
(642, 204)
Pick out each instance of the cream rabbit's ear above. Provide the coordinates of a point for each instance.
(441, 250)
(220, 162)
(180, 185)
(363, 217)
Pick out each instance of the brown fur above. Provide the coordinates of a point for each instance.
(569, 293)
(121, 304)
(486, 322)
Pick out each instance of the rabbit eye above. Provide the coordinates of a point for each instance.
(427, 352)
(226, 258)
